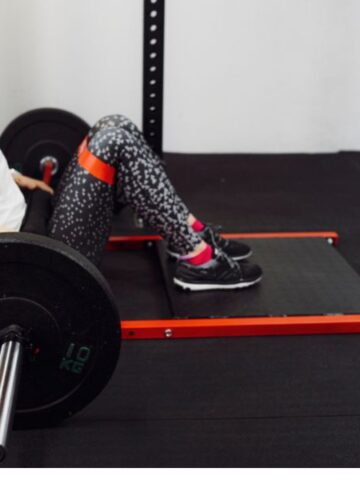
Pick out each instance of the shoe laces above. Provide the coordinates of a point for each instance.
(221, 255)
(214, 233)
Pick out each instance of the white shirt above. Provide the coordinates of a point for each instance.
(12, 201)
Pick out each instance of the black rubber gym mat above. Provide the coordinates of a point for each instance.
(250, 401)
(301, 277)
(266, 193)
(137, 282)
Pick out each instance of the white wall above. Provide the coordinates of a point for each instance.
(80, 55)
(262, 75)
(241, 75)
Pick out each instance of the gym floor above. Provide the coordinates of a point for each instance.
(236, 402)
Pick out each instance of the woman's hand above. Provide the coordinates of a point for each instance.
(32, 184)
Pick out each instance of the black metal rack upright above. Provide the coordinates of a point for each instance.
(153, 74)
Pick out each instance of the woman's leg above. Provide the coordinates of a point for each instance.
(121, 121)
(84, 204)
(235, 249)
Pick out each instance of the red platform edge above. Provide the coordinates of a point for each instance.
(123, 241)
(240, 327)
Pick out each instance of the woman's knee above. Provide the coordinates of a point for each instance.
(112, 121)
(108, 144)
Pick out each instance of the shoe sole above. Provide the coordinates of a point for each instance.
(176, 256)
(201, 287)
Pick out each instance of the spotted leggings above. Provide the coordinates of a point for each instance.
(84, 205)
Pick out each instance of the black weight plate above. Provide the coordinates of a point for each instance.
(41, 133)
(69, 314)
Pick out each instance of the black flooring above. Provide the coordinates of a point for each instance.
(244, 402)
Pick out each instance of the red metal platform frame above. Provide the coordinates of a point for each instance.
(235, 327)
(239, 327)
(127, 241)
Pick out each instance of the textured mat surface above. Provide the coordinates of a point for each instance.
(301, 277)
(137, 282)
(282, 401)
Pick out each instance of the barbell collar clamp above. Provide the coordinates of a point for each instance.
(14, 333)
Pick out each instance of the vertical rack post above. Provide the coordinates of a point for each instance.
(153, 74)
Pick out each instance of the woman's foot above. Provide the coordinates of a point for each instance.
(220, 273)
(234, 249)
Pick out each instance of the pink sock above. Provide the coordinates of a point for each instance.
(197, 226)
(201, 258)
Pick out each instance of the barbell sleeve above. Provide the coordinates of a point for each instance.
(11, 355)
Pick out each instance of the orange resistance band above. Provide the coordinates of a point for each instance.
(96, 167)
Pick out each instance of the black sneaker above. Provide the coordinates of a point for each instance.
(223, 273)
(234, 249)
